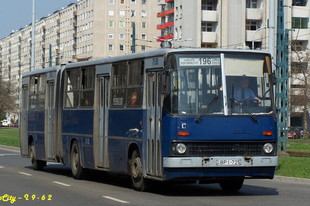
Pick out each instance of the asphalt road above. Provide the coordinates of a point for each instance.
(55, 186)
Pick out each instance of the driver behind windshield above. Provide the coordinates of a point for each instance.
(243, 93)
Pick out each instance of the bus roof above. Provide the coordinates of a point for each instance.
(158, 52)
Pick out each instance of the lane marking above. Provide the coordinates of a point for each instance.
(23, 173)
(60, 183)
(8, 154)
(115, 199)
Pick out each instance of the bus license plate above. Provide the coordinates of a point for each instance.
(228, 162)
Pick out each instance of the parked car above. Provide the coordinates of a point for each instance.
(291, 134)
(4, 123)
(299, 131)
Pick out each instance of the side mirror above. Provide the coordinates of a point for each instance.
(165, 85)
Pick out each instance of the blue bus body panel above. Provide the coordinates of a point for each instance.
(78, 122)
(78, 125)
(36, 121)
(124, 128)
(241, 128)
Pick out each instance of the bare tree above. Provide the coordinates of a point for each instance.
(300, 83)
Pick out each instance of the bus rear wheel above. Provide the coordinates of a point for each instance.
(138, 181)
(76, 168)
(231, 185)
(36, 164)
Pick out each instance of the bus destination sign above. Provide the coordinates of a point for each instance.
(199, 62)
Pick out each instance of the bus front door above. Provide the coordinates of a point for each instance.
(103, 159)
(153, 149)
(24, 122)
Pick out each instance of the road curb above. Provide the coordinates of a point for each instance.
(10, 148)
(291, 180)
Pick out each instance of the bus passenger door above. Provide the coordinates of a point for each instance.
(49, 133)
(24, 122)
(153, 149)
(103, 123)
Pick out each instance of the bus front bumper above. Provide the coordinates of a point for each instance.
(235, 161)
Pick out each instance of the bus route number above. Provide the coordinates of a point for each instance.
(199, 61)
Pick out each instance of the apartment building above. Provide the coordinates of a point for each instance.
(87, 29)
(241, 24)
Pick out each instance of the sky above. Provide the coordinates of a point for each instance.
(16, 14)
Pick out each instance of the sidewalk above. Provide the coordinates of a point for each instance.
(291, 180)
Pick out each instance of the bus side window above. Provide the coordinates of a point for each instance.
(118, 91)
(87, 87)
(72, 88)
(135, 82)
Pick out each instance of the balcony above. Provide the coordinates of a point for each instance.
(258, 36)
(160, 26)
(167, 1)
(300, 11)
(301, 34)
(209, 16)
(166, 37)
(208, 37)
(254, 14)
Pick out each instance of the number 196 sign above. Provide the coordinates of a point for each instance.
(199, 61)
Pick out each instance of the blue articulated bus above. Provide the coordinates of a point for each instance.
(192, 115)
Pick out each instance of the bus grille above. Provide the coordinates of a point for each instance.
(226, 148)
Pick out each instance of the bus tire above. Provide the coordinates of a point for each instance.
(36, 164)
(138, 181)
(231, 185)
(76, 168)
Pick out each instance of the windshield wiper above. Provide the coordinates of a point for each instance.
(237, 104)
(207, 109)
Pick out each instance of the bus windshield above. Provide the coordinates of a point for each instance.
(200, 84)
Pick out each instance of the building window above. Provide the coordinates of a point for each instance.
(143, 36)
(299, 46)
(111, 24)
(122, 13)
(111, 1)
(110, 36)
(300, 23)
(299, 2)
(143, 25)
(251, 25)
(142, 48)
(143, 13)
(121, 24)
(121, 47)
(133, 1)
(143, 2)
(111, 12)
(251, 4)
(206, 27)
(133, 13)
(208, 5)
(110, 47)
(121, 36)
(122, 1)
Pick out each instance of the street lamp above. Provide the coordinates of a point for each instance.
(257, 30)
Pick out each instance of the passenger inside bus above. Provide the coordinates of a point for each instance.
(133, 99)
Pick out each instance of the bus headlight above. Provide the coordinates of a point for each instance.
(181, 148)
(268, 148)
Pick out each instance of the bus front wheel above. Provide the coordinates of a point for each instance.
(36, 164)
(231, 185)
(76, 168)
(138, 181)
